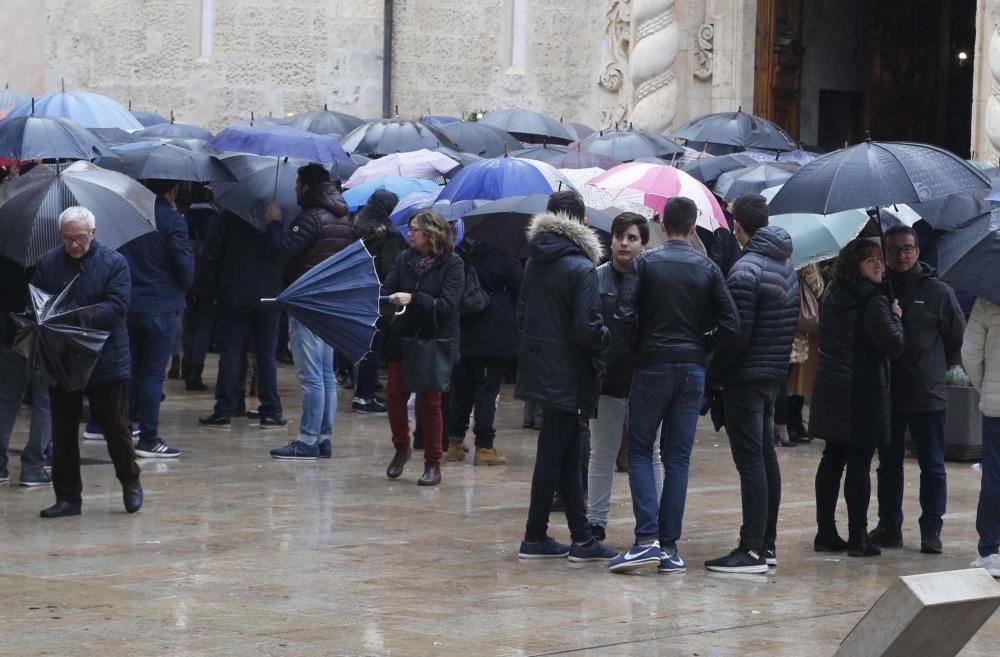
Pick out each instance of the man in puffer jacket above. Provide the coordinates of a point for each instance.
(765, 289)
(981, 358)
(318, 232)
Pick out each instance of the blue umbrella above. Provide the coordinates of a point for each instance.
(86, 109)
(173, 130)
(359, 195)
(439, 120)
(325, 122)
(48, 138)
(968, 256)
(452, 212)
(338, 300)
(148, 118)
(279, 141)
(495, 179)
(409, 205)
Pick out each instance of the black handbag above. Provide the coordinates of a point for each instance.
(427, 362)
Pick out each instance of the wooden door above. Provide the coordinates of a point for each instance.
(778, 63)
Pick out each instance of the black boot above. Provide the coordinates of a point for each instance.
(858, 544)
(828, 539)
(175, 369)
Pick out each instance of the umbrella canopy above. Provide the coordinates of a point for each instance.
(86, 109)
(147, 118)
(259, 181)
(54, 339)
(528, 126)
(379, 138)
(279, 141)
(654, 184)
(577, 159)
(540, 152)
(358, 196)
(167, 162)
(440, 120)
(338, 300)
(417, 164)
(968, 257)
(112, 137)
(629, 144)
(48, 138)
(501, 177)
(708, 169)
(10, 98)
(502, 223)
(954, 210)
(325, 122)
(481, 139)
(817, 237)
(799, 156)
(452, 212)
(410, 204)
(872, 174)
(173, 130)
(736, 129)
(752, 180)
(30, 206)
(579, 130)
(594, 197)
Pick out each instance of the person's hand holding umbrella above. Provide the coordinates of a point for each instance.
(273, 213)
(400, 298)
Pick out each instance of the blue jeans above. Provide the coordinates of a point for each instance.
(151, 341)
(314, 369)
(988, 514)
(230, 333)
(927, 432)
(669, 393)
(13, 385)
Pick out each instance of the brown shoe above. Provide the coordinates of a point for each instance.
(456, 453)
(430, 477)
(488, 456)
(398, 461)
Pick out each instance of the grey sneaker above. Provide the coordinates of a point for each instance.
(35, 478)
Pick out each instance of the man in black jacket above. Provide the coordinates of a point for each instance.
(318, 232)
(562, 340)
(677, 303)
(766, 291)
(933, 324)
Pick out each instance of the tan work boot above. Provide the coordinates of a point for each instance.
(488, 456)
(456, 452)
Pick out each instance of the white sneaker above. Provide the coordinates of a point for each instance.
(990, 563)
(93, 435)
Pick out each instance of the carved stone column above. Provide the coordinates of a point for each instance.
(993, 100)
(655, 44)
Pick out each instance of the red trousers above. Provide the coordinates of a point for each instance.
(428, 413)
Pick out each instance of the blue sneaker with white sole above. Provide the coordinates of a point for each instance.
(671, 563)
(593, 551)
(637, 556)
(326, 449)
(296, 450)
(547, 549)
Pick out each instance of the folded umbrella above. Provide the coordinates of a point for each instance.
(501, 177)
(753, 179)
(968, 257)
(629, 144)
(55, 338)
(358, 196)
(736, 129)
(416, 164)
(325, 122)
(49, 138)
(481, 139)
(30, 206)
(379, 138)
(338, 300)
(167, 162)
(88, 110)
(528, 126)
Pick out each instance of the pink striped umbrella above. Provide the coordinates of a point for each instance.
(654, 184)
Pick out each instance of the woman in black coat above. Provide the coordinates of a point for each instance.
(427, 280)
(860, 331)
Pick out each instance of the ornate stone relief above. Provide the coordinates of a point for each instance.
(993, 101)
(613, 75)
(705, 41)
(655, 45)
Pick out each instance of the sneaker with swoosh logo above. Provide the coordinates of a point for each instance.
(671, 563)
(637, 556)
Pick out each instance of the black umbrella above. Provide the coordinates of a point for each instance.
(168, 162)
(502, 223)
(736, 129)
(146, 118)
(968, 257)
(30, 206)
(954, 210)
(753, 179)
(541, 152)
(579, 130)
(173, 130)
(873, 174)
(325, 122)
(577, 159)
(386, 136)
(48, 138)
(708, 169)
(479, 138)
(627, 144)
(529, 126)
(55, 338)
(260, 180)
(112, 137)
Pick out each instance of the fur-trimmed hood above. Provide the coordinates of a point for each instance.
(552, 236)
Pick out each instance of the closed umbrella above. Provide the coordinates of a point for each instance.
(167, 162)
(501, 177)
(752, 180)
(417, 164)
(325, 122)
(479, 138)
(736, 129)
(30, 206)
(629, 144)
(968, 257)
(89, 110)
(338, 300)
(48, 138)
(380, 138)
(528, 126)
(358, 196)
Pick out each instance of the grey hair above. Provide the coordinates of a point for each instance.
(77, 213)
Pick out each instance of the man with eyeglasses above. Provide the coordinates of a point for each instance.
(933, 324)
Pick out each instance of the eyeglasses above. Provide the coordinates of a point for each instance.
(78, 240)
(415, 229)
(908, 249)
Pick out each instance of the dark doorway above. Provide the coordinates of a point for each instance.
(831, 71)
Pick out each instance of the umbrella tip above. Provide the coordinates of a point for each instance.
(325, 108)
(62, 83)
(506, 150)
(868, 136)
(130, 104)
(739, 108)
(397, 110)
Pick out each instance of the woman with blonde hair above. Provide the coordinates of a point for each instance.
(426, 282)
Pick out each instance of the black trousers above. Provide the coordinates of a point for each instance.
(475, 383)
(109, 409)
(199, 320)
(750, 426)
(857, 486)
(557, 467)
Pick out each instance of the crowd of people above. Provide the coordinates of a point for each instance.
(619, 351)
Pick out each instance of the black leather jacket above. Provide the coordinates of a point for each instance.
(677, 306)
(619, 361)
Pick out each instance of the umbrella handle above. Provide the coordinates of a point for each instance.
(386, 300)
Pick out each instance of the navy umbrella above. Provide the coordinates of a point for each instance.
(577, 159)
(279, 141)
(167, 162)
(968, 257)
(439, 119)
(259, 182)
(627, 144)
(173, 130)
(338, 300)
(479, 138)
(325, 122)
(873, 174)
(540, 152)
(30, 206)
(529, 126)
(48, 138)
(114, 136)
(147, 118)
(753, 179)
(56, 338)
(708, 169)
(954, 210)
(735, 129)
(386, 136)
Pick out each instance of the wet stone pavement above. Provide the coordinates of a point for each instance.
(234, 553)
